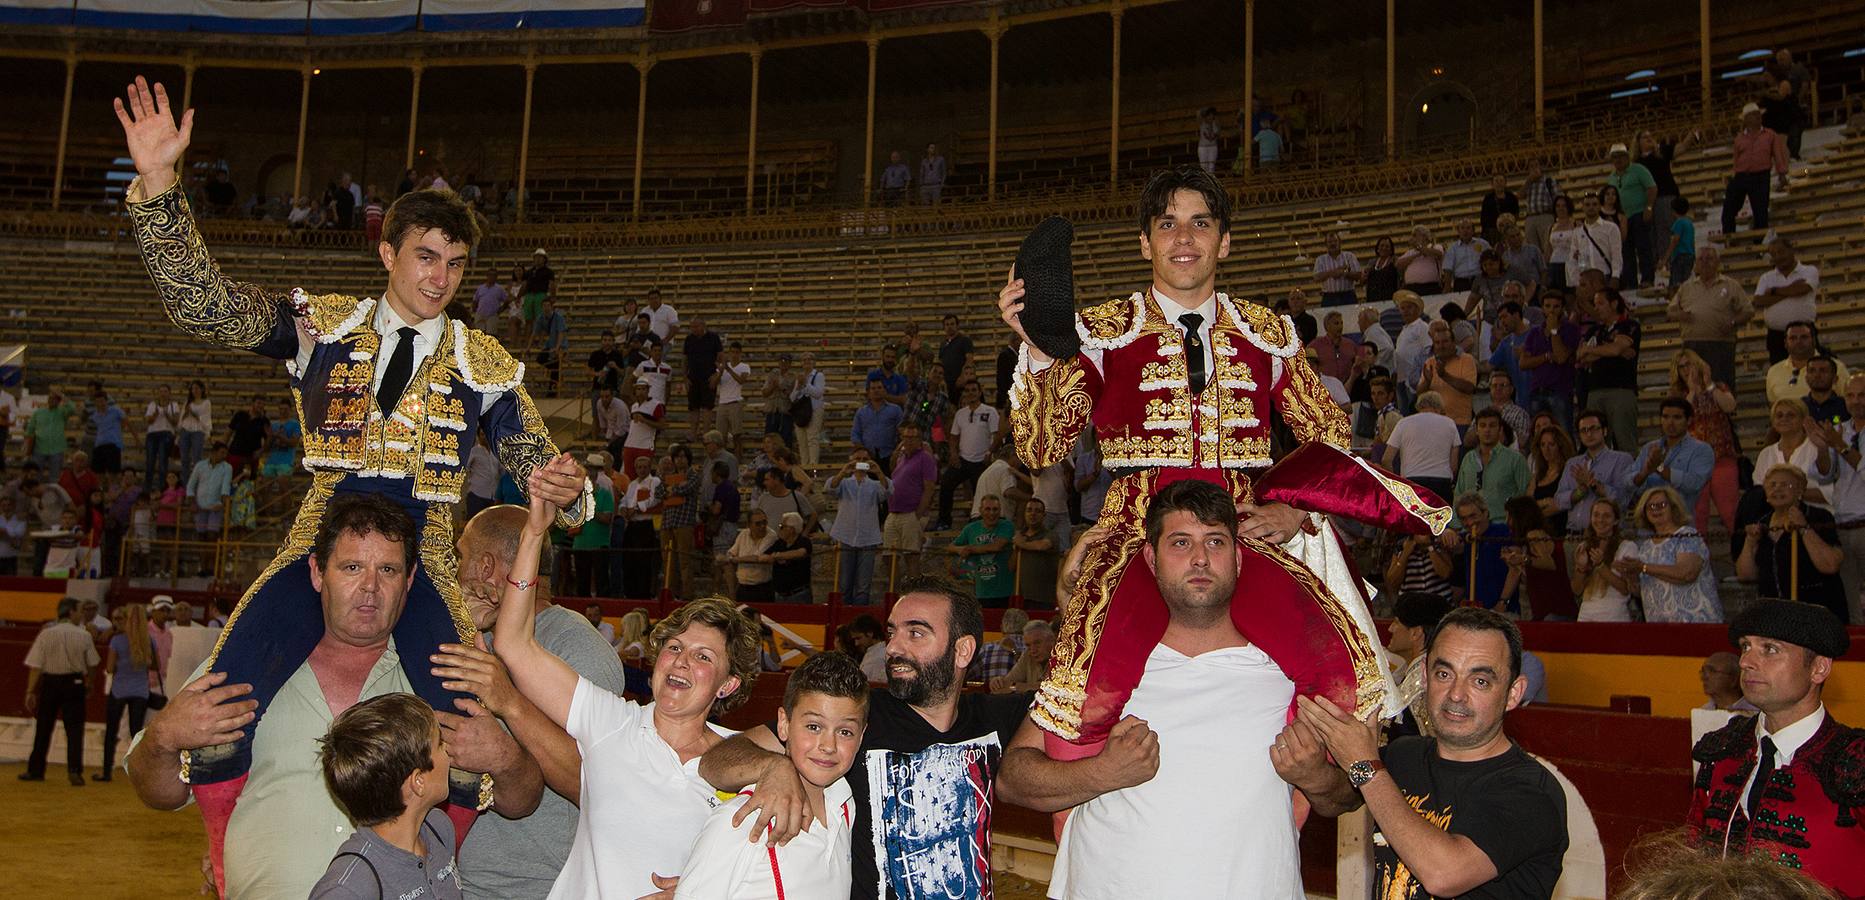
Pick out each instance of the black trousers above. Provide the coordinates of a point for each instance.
(966, 472)
(138, 707)
(60, 697)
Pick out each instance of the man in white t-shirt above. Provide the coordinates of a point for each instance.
(1425, 444)
(1786, 294)
(1182, 799)
(729, 383)
(645, 417)
(661, 316)
(974, 430)
(654, 372)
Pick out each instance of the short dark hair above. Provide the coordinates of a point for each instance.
(364, 513)
(371, 749)
(1159, 190)
(829, 674)
(1677, 403)
(967, 616)
(1512, 307)
(1210, 504)
(868, 625)
(1488, 412)
(1825, 357)
(420, 211)
(1680, 204)
(1591, 413)
(1476, 618)
(1421, 609)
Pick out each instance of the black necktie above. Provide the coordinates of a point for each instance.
(395, 377)
(1194, 351)
(1764, 770)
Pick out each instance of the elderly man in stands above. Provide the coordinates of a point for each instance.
(281, 835)
(1787, 378)
(1721, 676)
(1788, 292)
(1451, 373)
(1337, 271)
(1676, 458)
(1463, 258)
(1597, 472)
(1709, 307)
(1026, 674)
(1423, 447)
(1758, 151)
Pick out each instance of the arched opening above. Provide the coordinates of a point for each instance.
(1440, 116)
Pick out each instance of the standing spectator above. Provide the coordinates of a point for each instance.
(1610, 355)
(1469, 554)
(1710, 307)
(955, 353)
(1675, 459)
(663, 319)
(1092, 479)
(1657, 156)
(894, 383)
(538, 284)
(1786, 293)
(482, 478)
(1547, 355)
(106, 419)
(1537, 563)
(131, 664)
(1562, 234)
(1334, 353)
(1759, 151)
(1295, 306)
(1492, 469)
(1711, 404)
(983, 549)
(646, 417)
(611, 421)
(12, 534)
(589, 547)
(859, 488)
(487, 300)
(915, 356)
(1604, 591)
(928, 404)
(1597, 243)
(974, 432)
(877, 424)
(1376, 338)
(932, 175)
(1039, 548)
(640, 544)
(680, 511)
(1638, 195)
(894, 180)
(1382, 277)
(1847, 494)
(909, 500)
(781, 391)
(159, 420)
(1209, 135)
(701, 350)
(62, 654)
(1509, 335)
(46, 432)
(779, 498)
(1415, 341)
(1671, 561)
(209, 485)
(813, 386)
(654, 372)
(1538, 191)
(551, 335)
(1451, 373)
(750, 554)
(1522, 263)
(1462, 259)
(247, 434)
(197, 422)
(1268, 144)
(1598, 472)
(790, 553)
(1424, 564)
(9, 410)
(281, 455)
(728, 383)
(1337, 270)
(1680, 244)
(373, 211)
(1782, 114)
(1423, 446)
(1498, 202)
(608, 365)
(1422, 264)
(1787, 378)
(1782, 67)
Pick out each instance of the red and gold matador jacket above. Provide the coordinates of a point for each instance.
(1130, 384)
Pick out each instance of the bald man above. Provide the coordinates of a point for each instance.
(1721, 675)
(520, 858)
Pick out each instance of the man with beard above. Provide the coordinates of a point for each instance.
(927, 747)
(1218, 805)
(1462, 813)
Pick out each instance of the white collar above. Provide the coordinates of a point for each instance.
(388, 322)
(1171, 309)
(1793, 737)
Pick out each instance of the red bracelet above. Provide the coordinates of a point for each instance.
(522, 585)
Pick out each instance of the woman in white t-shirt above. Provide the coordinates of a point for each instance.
(197, 422)
(1605, 594)
(1793, 447)
(642, 801)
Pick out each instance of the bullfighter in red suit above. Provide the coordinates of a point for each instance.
(1788, 783)
(1178, 382)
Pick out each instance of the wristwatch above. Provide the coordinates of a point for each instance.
(1359, 774)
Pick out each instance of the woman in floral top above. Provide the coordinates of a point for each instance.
(1711, 404)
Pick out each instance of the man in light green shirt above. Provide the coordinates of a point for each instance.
(282, 832)
(1492, 469)
(1638, 192)
(45, 433)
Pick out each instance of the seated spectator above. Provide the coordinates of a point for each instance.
(751, 554)
(1794, 444)
(1711, 404)
(1027, 674)
(385, 763)
(1373, 334)
(1475, 546)
(1671, 560)
(1421, 563)
(1675, 458)
(1423, 446)
(1823, 403)
(996, 658)
(790, 572)
(1537, 566)
(1413, 345)
(1492, 469)
(1383, 403)
(1605, 592)
(1791, 553)
(1786, 379)
(1721, 675)
(1597, 472)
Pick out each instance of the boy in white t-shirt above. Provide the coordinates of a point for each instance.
(824, 714)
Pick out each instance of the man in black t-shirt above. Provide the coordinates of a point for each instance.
(1464, 814)
(927, 747)
(1609, 355)
(954, 352)
(701, 349)
(246, 435)
(607, 364)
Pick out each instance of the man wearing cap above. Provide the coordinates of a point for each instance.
(1758, 151)
(1638, 192)
(1788, 784)
(540, 282)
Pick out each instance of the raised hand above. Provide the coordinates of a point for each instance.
(155, 144)
(1010, 307)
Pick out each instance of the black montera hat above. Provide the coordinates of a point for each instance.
(1048, 275)
(1806, 624)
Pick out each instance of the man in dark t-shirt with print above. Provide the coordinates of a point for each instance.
(1466, 813)
(928, 746)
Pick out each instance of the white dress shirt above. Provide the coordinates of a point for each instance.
(1786, 742)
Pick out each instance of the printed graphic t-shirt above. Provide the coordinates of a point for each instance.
(1510, 806)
